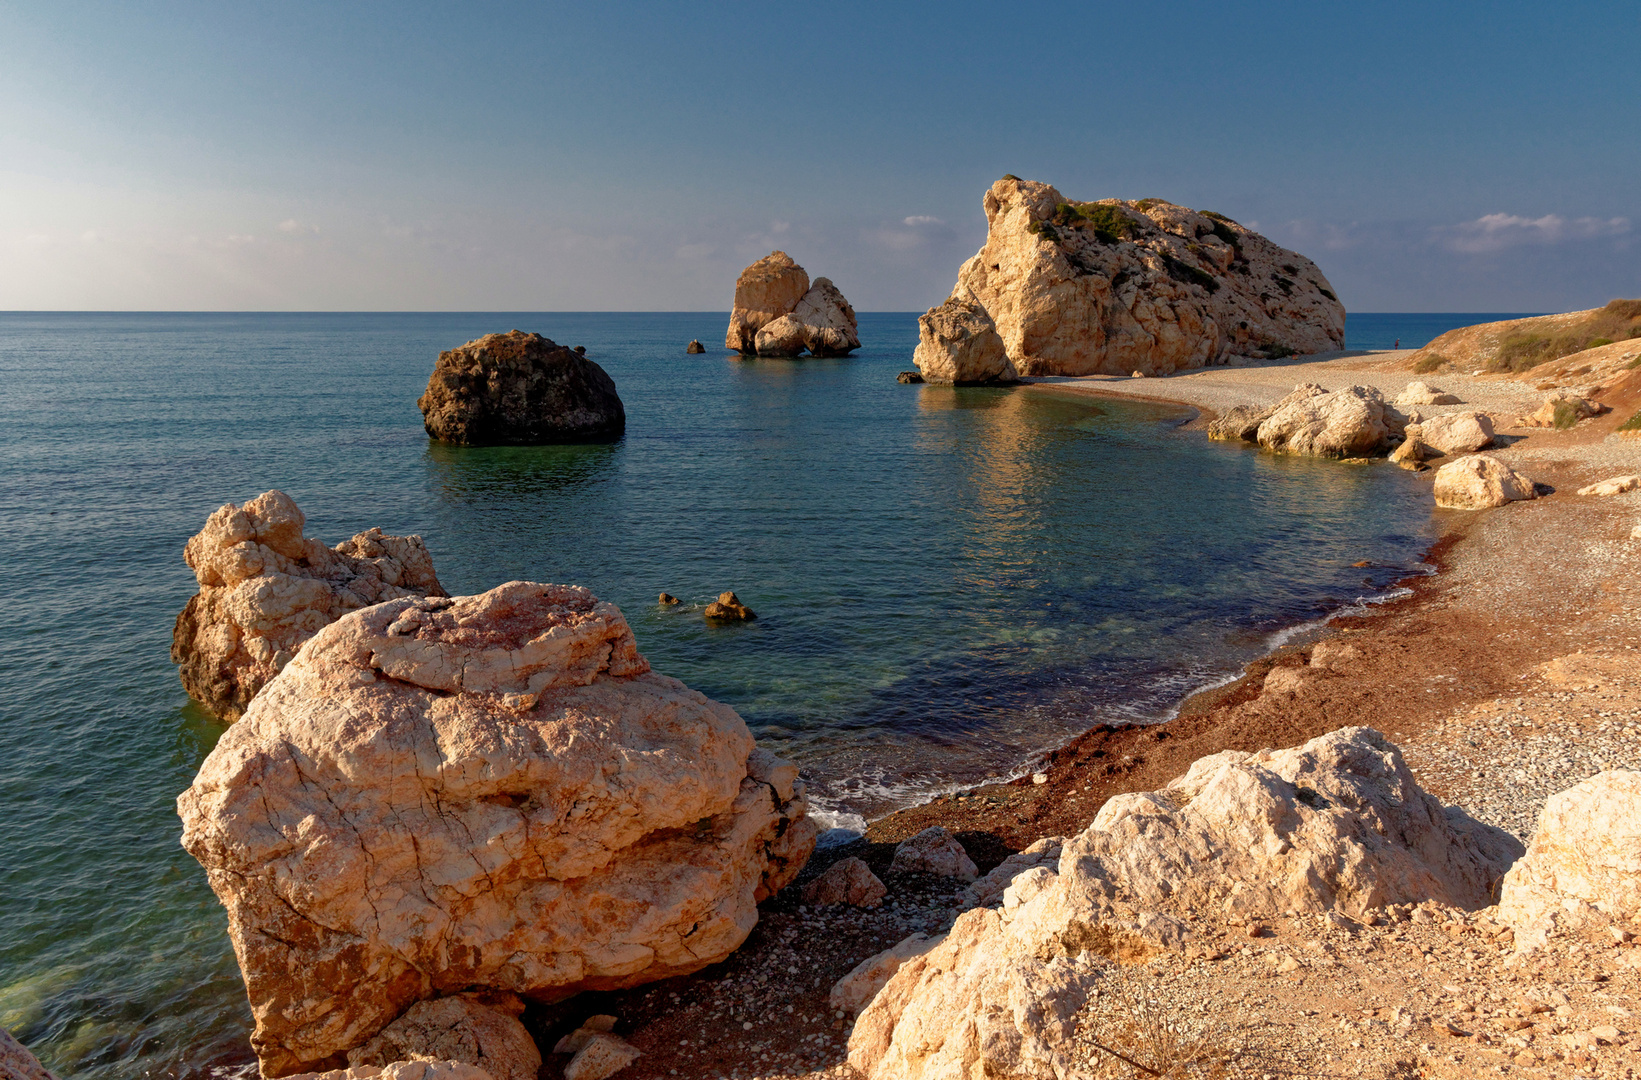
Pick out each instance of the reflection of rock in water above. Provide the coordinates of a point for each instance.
(460, 471)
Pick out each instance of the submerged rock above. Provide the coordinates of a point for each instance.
(491, 792)
(909, 377)
(1338, 824)
(520, 389)
(1240, 423)
(1113, 287)
(778, 312)
(728, 608)
(957, 342)
(1479, 482)
(16, 1063)
(264, 590)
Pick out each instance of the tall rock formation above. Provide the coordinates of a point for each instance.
(1113, 287)
(264, 590)
(520, 389)
(779, 313)
(493, 793)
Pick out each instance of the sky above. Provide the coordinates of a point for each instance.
(636, 156)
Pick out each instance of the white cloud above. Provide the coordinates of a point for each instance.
(241, 238)
(291, 227)
(1495, 232)
(919, 220)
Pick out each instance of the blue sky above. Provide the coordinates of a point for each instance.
(492, 156)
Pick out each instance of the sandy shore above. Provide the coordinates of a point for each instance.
(1509, 674)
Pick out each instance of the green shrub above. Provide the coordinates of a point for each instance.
(1596, 343)
(1618, 320)
(1217, 217)
(1045, 229)
(1430, 362)
(1632, 424)
(1633, 364)
(1566, 415)
(1180, 270)
(1275, 350)
(1010, 176)
(1146, 204)
(1624, 309)
(1109, 223)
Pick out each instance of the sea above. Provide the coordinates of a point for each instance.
(947, 583)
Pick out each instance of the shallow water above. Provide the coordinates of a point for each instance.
(946, 580)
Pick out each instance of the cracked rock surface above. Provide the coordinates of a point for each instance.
(490, 792)
(264, 590)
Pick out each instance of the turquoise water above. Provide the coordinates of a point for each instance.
(947, 581)
(1415, 330)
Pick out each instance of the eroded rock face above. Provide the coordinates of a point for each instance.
(1114, 287)
(491, 792)
(264, 590)
(766, 290)
(779, 313)
(1336, 824)
(459, 1029)
(1355, 421)
(1479, 482)
(1584, 863)
(957, 342)
(520, 389)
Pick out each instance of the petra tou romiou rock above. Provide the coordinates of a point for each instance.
(264, 589)
(1480, 482)
(485, 793)
(1583, 867)
(520, 389)
(778, 312)
(1337, 826)
(1117, 287)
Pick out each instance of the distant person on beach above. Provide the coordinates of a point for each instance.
(1398, 344)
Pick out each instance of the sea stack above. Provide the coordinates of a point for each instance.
(520, 389)
(1116, 287)
(265, 589)
(483, 794)
(779, 313)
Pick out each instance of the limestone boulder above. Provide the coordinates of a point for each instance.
(490, 792)
(847, 881)
(1338, 824)
(728, 608)
(462, 1029)
(830, 327)
(988, 891)
(603, 1055)
(1617, 485)
(1114, 286)
(1454, 433)
(958, 343)
(765, 291)
(785, 336)
(1239, 424)
(520, 389)
(851, 993)
(16, 1063)
(934, 851)
(1562, 410)
(419, 1069)
(1479, 482)
(1355, 421)
(1420, 393)
(265, 589)
(1584, 862)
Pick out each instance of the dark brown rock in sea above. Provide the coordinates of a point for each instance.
(520, 389)
(696, 347)
(728, 608)
(909, 377)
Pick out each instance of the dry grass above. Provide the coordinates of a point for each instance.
(1619, 320)
(1430, 362)
(1126, 1032)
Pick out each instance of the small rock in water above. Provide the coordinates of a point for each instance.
(909, 377)
(728, 608)
(1137, 375)
(695, 347)
(580, 350)
(667, 599)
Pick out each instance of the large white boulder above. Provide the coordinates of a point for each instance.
(265, 589)
(1336, 824)
(766, 290)
(958, 343)
(491, 792)
(1355, 421)
(1454, 433)
(828, 320)
(1584, 860)
(1479, 482)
